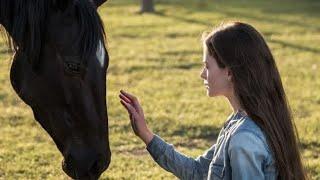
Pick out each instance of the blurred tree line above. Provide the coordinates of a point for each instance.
(147, 6)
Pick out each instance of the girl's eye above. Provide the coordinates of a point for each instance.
(205, 65)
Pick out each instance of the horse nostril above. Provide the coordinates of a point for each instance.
(83, 164)
(95, 168)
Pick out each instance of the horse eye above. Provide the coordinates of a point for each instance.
(73, 67)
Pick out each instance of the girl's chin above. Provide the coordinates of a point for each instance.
(210, 94)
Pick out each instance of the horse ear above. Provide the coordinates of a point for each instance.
(99, 2)
(62, 4)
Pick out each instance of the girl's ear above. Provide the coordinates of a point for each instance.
(229, 75)
(99, 2)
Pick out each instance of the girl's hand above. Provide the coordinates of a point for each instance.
(136, 115)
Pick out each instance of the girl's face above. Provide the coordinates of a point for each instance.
(216, 80)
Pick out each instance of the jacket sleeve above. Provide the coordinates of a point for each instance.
(247, 153)
(178, 164)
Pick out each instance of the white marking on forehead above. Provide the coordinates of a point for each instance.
(101, 54)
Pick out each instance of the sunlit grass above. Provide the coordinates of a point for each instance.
(158, 57)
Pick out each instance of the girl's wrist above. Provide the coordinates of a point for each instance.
(147, 137)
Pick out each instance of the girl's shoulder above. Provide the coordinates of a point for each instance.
(245, 127)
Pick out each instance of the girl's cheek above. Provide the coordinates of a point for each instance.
(211, 77)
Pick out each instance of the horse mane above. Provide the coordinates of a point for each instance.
(91, 28)
(25, 23)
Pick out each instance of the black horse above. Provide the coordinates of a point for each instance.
(59, 70)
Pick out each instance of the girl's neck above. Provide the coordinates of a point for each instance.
(235, 104)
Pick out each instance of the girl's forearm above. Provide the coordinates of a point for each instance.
(146, 136)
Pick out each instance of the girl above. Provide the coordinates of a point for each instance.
(258, 141)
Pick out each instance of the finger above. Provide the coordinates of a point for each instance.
(135, 105)
(134, 100)
(125, 106)
(132, 115)
(128, 95)
(122, 97)
(132, 112)
(129, 107)
(133, 122)
(131, 118)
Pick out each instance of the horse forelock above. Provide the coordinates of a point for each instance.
(91, 28)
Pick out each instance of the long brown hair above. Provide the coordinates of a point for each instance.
(257, 85)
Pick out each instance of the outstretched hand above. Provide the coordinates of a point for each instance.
(137, 120)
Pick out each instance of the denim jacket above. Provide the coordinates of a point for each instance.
(241, 152)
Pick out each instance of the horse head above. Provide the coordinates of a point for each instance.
(59, 70)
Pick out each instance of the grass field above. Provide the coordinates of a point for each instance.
(158, 57)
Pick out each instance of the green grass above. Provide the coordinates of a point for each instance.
(158, 57)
